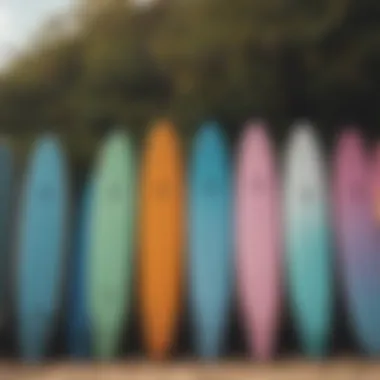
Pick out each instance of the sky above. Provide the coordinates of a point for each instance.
(20, 19)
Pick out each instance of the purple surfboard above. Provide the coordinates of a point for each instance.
(359, 258)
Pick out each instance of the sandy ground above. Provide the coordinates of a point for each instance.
(342, 369)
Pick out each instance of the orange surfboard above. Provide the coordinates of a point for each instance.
(161, 238)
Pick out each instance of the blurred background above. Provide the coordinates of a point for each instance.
(81, 67)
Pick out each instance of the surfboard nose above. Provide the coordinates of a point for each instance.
(376, 184)
(209, 138)
(350, 144)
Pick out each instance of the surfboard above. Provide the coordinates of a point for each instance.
(161, 239)
(210, 239)
(355, 231)
(111, 233)
(78, 333)
(307, 239)
(6, 224)
(42, 237)
(375, 187)
(258, 239)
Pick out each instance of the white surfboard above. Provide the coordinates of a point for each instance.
(307, 239)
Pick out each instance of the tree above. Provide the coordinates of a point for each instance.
(200, 59)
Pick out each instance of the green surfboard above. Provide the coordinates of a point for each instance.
(111, 244)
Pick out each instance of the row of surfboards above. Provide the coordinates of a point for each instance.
(262, 226)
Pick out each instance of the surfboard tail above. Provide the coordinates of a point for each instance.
(79, 346)
(260, 317)
(106, 345)
(107, 335)
(158, 345)
(311, 305)
(34, 337)
(263, 344)
(160, 312)
(209, 332)
(208, 349)
(315, 342)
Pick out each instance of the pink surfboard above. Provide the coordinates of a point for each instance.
(376, 188)
(258, 240)
(355, 180)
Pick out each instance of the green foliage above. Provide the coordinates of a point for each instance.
(196, 59)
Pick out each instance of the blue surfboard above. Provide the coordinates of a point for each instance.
(42, 239)
(210, 239)
(78, 333)
(6, 203)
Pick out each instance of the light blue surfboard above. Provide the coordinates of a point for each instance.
(307, 237)
(42, 239)
(6, 222)
(78, 333)
(210, 239)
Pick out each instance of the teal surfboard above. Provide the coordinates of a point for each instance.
(42, 242)
(210, 240)
(111, 237)
(307, 236)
